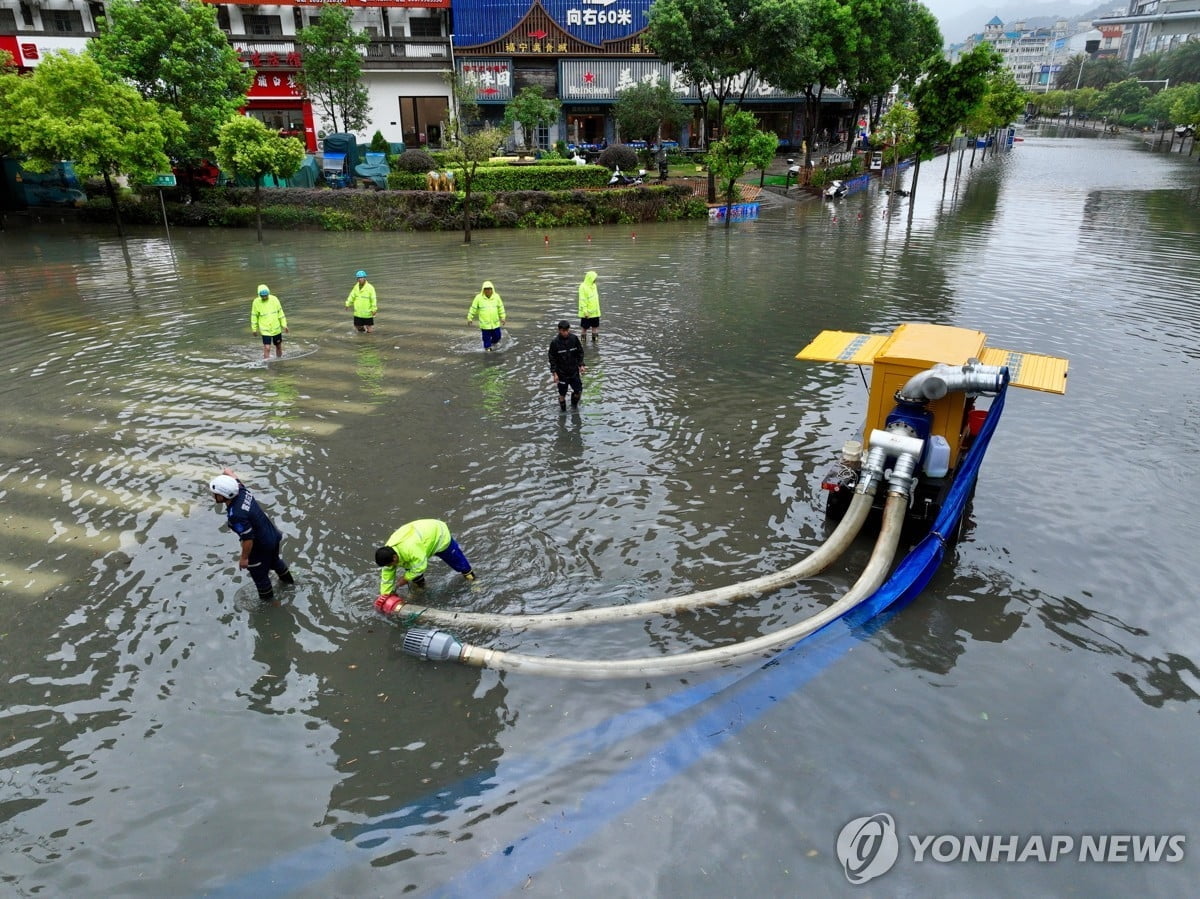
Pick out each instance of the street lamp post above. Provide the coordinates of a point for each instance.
(453, 90)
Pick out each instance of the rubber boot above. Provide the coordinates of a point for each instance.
(574, 400)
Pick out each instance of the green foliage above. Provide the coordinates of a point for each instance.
(719, 45)
(644, 110)
(1124, 97)
(618, 156)
(69, 108)
(1182, 63)
(331, 68)
(1185, 110)
(742, 147)
(529, 109)
(364, 210)
(1002, 102)
(246, 148)
(175, 54)
(415, 162)
(950, 95)
(467, 155)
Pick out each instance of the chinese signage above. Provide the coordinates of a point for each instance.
(601, 80)
(491, 78)
(270, 60)
(478, 22)
(274, 86)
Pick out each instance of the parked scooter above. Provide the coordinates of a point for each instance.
(621, 180)
(834, 190)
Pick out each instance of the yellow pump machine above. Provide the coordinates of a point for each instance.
(924, 386)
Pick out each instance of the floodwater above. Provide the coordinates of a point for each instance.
(162, 735)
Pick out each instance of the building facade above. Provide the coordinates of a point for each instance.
(1154, 26)
(582, 52)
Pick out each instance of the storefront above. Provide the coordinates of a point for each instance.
(275, 98)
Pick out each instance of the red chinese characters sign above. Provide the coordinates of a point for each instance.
(274, 86)
(256, 60)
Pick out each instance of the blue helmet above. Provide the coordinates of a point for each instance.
(360, 274)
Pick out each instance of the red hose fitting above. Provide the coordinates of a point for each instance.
(386, 603)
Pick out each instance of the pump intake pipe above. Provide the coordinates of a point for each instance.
(934, 383)
(434, 645)
(819, 559)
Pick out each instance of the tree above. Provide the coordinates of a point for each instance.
(946, 98)
(468, 152)
(176, 55)
(742, 147)
(1124, 97)
(1186, 109)
(1002, 103)
(529, 109)
(644, 110)
(246, 148)
(826, 31)
(721, 46)
(70, 109)
(1182, 63)
(331, 69)
(890, 43)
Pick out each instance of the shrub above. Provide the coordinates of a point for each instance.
(415, 162)
(619, 156)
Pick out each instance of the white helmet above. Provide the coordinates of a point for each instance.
(224, 485)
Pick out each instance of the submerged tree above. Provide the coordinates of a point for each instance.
(246, 148)
(946, 99)
(468, 153)
(743, 147)
(331, 68)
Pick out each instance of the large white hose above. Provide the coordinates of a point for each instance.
(820, 558)
(873, 575)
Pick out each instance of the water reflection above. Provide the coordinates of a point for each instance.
(148, 707)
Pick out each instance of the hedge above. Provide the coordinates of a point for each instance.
(507, 176)
(421, 210)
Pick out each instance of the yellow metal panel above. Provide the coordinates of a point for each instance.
(843, 346)
(924, 345)
(1030, 370)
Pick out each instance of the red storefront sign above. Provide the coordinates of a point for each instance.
(274, 86)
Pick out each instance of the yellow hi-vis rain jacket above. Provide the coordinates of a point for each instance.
(414, 543)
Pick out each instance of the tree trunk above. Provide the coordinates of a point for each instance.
(112, 196)
(258, 206)
(467, 207)
(912, 190)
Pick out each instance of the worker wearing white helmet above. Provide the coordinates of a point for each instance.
(257, 534)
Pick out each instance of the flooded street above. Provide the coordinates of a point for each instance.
(161, 734)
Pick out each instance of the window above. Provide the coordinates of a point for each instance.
(63, 21)
(424, 26)
(8, 21)
(263, 26)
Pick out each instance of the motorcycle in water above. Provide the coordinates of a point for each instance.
(834, 190)
(621, 180)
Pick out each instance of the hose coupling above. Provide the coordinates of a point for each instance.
(386, 603)
(902, 476)
(431, 645)
(871, 471)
